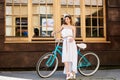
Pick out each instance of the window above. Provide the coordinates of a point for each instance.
(35, 19)
(42, 18)
(21, 28)
(72, 7)
(16, 18)
(88, 17)
(94, 19)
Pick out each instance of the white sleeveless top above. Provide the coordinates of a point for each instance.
(67, 32)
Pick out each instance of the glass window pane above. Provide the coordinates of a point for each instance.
(21, 27)
(24, 21)
(94, 11)
(8, 20)
(94, 32)
(93, 2)
(17, 31)
(8, 31)
(16, 10)
(77, 2)
(36, 32)
(8, 10)
(16, 1)
(100, 2)
(101, 22)
(88, 11)
(87, 2)
(70, 2)
(77, 11)
(24, 1)
(94, 22)
(35, 1)
(36, 9)
(46, 10)
(63, 11)
(48, 1)
(88, 21)
(43, 10)
(24, 31)
(70, 11)
(36, 21)
(63, 2)
(47, 26)
(49, 10)
(88, 32)
(78, 32)
(101, 33)
(43, 1)
(24, 10)
(77, 21)
(100, 12)
(8, 1)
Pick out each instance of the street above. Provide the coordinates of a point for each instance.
(113, 74)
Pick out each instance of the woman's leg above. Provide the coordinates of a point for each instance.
(66, 64)
(67, 70)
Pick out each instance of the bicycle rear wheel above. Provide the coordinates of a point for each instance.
(88, 64)
(47, 65)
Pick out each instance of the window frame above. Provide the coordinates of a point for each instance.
(57, 23)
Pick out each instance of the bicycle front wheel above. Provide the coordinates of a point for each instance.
(88, 64)
(47, 65)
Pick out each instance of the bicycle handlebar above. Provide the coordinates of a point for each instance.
(59, 40)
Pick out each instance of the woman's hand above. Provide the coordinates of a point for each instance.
(70, 39)
(53, 33)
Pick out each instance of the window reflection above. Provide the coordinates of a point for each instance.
(16, 18)
(78, 32)
(45, 27)
(8, 1)
(70, 2)
(21, 27)
(42, 1)
(43, 18)
(94, 18)
(94, 2)
(77, 22)
(72, 7)
(89, 20)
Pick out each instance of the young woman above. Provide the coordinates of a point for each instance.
(69, 50)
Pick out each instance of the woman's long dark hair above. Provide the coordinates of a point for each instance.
(69, 18)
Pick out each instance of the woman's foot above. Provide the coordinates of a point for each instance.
(73, 75)
(69, 76)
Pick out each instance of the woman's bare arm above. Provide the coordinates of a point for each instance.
(74, 31)
(57, 31)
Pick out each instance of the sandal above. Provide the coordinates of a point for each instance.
(69, 76)
(74, 76)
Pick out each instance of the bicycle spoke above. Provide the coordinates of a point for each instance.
(88, 64)
(47, 65)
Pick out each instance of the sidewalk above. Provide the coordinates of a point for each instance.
(32, 75)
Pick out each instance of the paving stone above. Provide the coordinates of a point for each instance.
(32, 75)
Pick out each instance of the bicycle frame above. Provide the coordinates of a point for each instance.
(58, 51)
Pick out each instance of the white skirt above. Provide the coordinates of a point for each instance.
(69, 54)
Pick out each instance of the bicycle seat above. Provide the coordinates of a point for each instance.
(82, 45)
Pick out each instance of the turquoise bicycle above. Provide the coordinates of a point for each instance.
(88, 62)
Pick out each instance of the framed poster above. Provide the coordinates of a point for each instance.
(47, 24)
